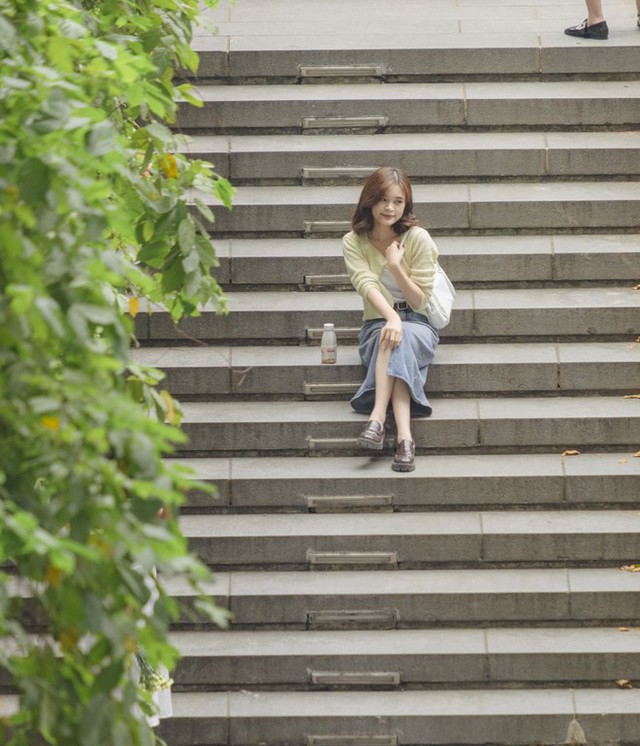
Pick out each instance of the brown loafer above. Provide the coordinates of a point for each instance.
(404, 459)
(372, 436)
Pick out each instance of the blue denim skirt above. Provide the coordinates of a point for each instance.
(409, 361)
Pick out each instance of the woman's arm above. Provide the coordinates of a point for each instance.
(362, 277)
(419, 266)
(366, 283)
(413, 294)
(391, 332)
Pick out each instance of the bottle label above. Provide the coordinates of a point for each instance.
(329, 355)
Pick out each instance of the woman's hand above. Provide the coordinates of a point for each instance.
(393, 254)
(391, 333)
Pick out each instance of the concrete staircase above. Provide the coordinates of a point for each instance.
(480, 599)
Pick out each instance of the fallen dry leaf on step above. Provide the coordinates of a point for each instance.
(636, 455)
(632, 396)
(623, 461)
(630, 568)
(571, 453)
(624, 684)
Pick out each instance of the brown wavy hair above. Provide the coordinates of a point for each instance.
(374, 190)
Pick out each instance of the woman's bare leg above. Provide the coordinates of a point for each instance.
(384, 386)
(594, 9)
(401, 403)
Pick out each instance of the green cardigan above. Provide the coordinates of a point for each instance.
(365, 265)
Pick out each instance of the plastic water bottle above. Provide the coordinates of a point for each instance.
(329, 345)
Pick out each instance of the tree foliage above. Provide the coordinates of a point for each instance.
(94, 220)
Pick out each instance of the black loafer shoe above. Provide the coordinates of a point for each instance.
(404, 459)
(372, 436)
(595, 31)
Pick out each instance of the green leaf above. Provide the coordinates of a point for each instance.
(96, 314)
(187, 93)
(224, 191)
(7, 35)
(101, 139)
(204, 210)
(95, 726)
(33, 181)
(152, 252)
(187, 235)
(173, 277)
(59, 53)
(107, 50)
(72, 29)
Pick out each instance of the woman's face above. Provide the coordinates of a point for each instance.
(390, 208)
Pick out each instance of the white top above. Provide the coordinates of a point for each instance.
(389, 281)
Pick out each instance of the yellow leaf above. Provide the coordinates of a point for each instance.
(632, 396)
(50, 421)
(130, 644)
(169, 166)
(631, 568)
(623, 461)
(170, 408)
(571, 453)
(68, 638)
(624, 629)
(134, 307)
(636, 455)
(54, 576)
(624, 684)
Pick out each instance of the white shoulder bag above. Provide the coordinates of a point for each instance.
(442, 296)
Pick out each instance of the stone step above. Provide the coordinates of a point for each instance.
(388, 659)
(551, 424)
(405, 599)
(430, 157)
(399, 107)
(467, 368)
(511, 312)
(267, 41)
(390, 541)
(596, 206)
(439, 482)
(318, 262)
(472, 718)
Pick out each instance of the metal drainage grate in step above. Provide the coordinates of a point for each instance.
(333, 123)
(354, 678)
(318, 389)
(369, 70)
(380, 559)
(326, 280)
(326, 226)
(352, 741)
(382, 618)
(325, 444)
(340, 503)
(315, 333)
(310, 173)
